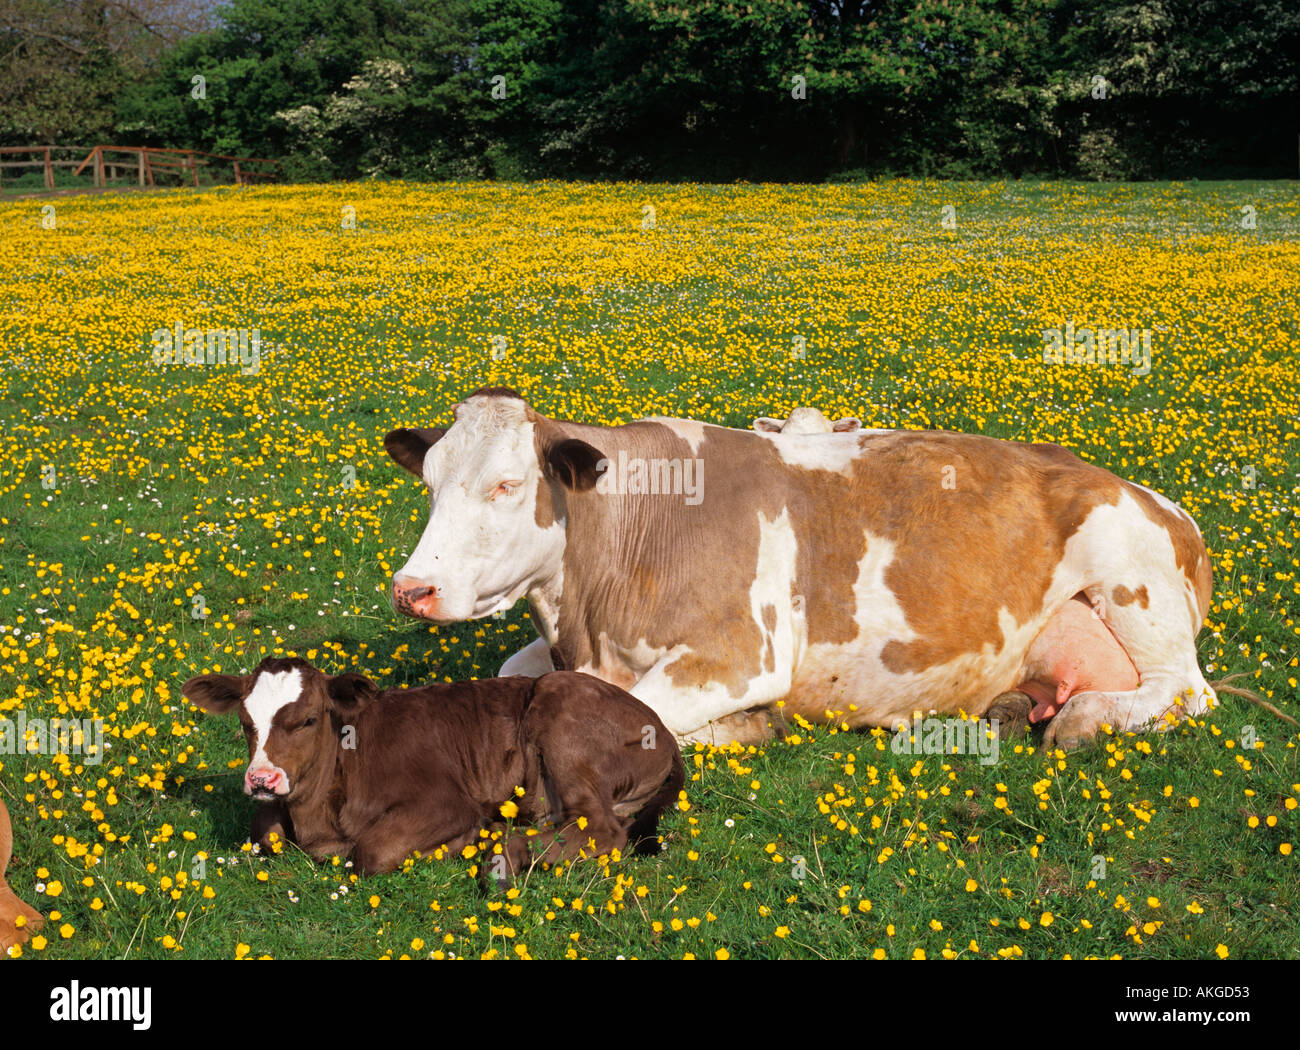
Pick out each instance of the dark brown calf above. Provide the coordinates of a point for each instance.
(353, 770)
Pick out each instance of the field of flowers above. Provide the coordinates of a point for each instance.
(161, 520)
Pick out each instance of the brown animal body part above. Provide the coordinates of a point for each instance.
(18, 921)
(353, 770)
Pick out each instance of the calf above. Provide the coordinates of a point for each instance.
(11, 932)
(352, 769)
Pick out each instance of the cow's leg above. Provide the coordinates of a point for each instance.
(755, 726)
(1011, 712)
(1157, 699)
(532, 661)
(710, 714)
(1160, 640)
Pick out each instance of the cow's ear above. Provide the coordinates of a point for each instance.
(841, 426)
(575, 464)
(350, 692)
(767, 425)
(217, 693)
(407, 447)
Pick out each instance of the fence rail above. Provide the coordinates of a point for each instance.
(143, 163)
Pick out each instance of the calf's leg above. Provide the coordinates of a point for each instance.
(399, 832)
(605, 762)
(271, 818)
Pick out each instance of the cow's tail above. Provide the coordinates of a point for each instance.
(1224, 685)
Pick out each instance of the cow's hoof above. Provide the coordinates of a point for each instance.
(1080, 720)
(1011, 712)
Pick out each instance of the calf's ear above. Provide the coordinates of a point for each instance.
(407, 447)
(573, 463)
(350, 692)
(217, 693)
(767, 425)
(846, 424)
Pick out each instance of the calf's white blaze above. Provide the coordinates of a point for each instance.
(271, 692)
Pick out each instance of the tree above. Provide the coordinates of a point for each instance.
(62, 63)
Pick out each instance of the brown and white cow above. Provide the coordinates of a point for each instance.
(353, 770)
(806, 420)
(713, 572)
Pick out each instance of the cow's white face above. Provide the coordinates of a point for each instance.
(486, 543)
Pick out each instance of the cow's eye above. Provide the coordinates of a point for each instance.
(506, 488)
(309, 723)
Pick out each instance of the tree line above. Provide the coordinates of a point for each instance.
(663, 89)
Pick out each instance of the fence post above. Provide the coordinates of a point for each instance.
(99, 167)
(49, 170)
(139, 158)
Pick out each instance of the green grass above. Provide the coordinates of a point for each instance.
(908, 326)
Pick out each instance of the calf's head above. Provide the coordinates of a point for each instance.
(497, 480)
(292, 717)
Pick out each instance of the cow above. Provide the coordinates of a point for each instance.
(870, 573)
(805, 420)
(352, 770)
(12, 909)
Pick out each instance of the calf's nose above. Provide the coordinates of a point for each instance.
(262, 780)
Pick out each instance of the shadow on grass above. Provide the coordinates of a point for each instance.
(228, 810)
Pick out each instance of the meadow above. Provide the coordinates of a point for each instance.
(159, 521)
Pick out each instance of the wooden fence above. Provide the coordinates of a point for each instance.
(142, 164)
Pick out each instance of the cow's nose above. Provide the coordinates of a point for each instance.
(414, 598)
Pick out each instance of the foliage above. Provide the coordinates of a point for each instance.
(706, 89)
(157, 522)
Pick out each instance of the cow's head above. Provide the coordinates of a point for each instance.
(292, 715)
(497, 481)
